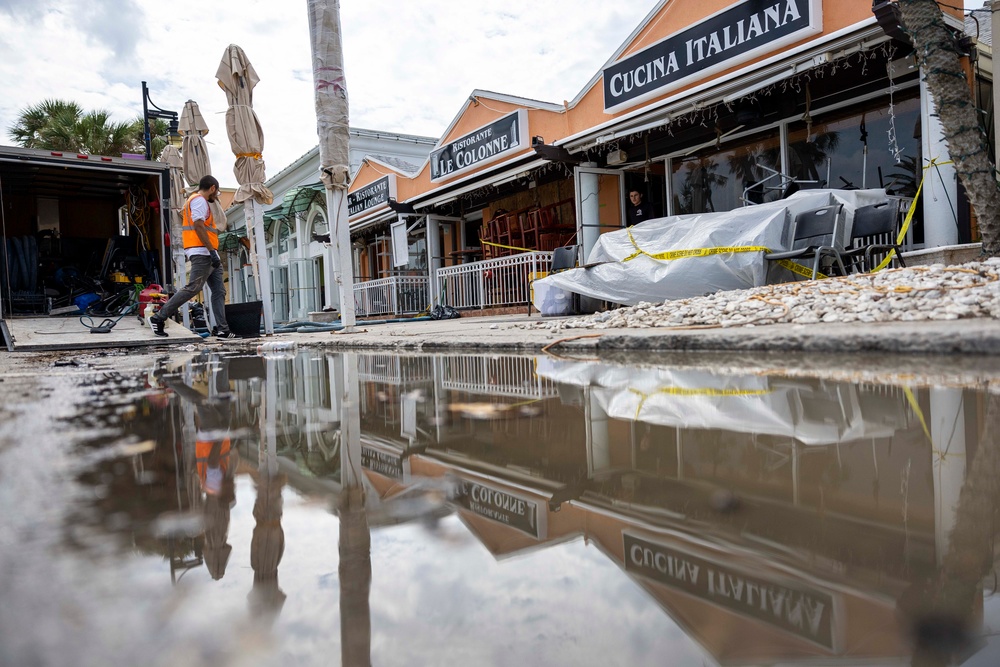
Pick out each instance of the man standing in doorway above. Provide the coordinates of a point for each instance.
(201, 246)
(638, 211)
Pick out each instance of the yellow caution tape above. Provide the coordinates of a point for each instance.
(679, 391)
(912, 400)
(909, 214)
(794, 267)
(509, 247)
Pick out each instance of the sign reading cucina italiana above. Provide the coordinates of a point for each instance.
(797, 609)
(371, 196)
(487, 144)
(736, 34)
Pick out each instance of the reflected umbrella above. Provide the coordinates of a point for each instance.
(237, 77)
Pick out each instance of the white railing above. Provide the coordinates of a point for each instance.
(513, 377)
(396, 295)
(393, 369)
(504, 281)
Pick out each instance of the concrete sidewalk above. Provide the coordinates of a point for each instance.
(518, 333)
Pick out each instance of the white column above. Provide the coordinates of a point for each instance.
(263, 271)
(940, 193)
(350, 424)
(947, 425)
(588, 227)
(433, 256)
(342, 274)
(598, 441)
(301, 310)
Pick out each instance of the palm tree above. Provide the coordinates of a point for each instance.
(64, 126)
(44, 125)
(938, 55)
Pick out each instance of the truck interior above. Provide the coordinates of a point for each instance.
(77, 230)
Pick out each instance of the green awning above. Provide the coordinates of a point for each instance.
(230, 241)
(295, 201)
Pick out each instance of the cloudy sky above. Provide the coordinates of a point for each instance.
(410, 66)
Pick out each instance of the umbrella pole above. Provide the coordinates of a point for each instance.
(340, 249)
(260, 265)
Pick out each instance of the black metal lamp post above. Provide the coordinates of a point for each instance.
(155, 112)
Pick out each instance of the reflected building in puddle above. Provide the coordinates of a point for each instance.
(771, 518)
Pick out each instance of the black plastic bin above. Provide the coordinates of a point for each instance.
(244, 318)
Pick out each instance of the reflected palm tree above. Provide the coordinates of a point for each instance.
(743, 164)
(809, 156)
(701, 178)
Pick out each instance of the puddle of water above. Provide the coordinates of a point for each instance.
(380, 509)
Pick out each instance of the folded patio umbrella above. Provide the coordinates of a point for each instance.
(193, 128)
(246, 137)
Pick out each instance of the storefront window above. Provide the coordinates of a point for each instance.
(720, 180)
(851, 149)
(285, 242)
(319, 226)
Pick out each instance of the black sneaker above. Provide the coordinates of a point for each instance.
(225, 333)
(158, 327)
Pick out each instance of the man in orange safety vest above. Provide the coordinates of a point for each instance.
(201, 246)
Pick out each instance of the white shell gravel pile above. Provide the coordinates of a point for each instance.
(935, 292)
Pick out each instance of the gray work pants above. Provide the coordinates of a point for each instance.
(201, 272)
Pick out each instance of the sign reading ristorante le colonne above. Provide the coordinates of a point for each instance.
(374, 195)
(723, 40)
(490, 142)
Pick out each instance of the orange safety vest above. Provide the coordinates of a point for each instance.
(203, 453)
(188, 236)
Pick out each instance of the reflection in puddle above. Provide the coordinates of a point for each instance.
(507, 509)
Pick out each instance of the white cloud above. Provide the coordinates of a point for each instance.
(409, 66)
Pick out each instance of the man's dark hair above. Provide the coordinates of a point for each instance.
(207, 182)
(635, 190)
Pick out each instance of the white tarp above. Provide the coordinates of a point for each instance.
(812, 412)
(643, 278)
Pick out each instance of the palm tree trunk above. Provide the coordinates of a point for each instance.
(938, 56)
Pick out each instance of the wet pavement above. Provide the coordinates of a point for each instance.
(211, 507)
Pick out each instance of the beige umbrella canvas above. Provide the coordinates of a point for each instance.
(237, 78)
(193, 128)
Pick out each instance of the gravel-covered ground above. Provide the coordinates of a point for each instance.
(935, 292)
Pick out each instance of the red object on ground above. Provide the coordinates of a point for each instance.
(152, 294)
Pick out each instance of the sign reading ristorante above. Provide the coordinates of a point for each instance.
(799, 610)
(387, 465)
(499, 138)
(371, 196)
(737, 34)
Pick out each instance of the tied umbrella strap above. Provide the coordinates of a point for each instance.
(256, 156)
